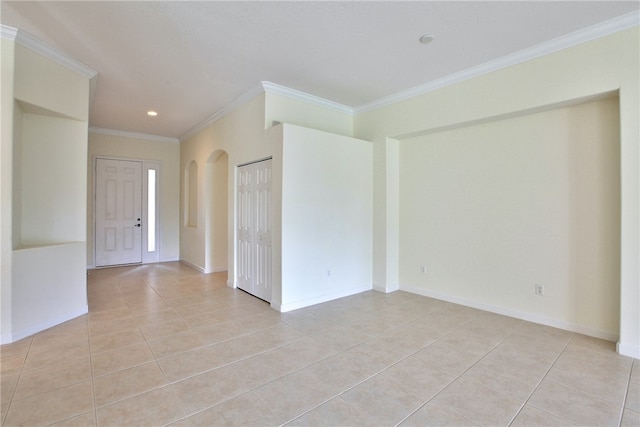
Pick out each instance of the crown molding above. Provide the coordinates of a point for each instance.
(305, 97)
(7, 32)
(265, 87)
(602, 29)
(134, 135)
(227, 109)
(27, 40)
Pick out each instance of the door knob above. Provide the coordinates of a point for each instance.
(138, 225)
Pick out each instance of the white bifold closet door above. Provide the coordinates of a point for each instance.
(254, 270)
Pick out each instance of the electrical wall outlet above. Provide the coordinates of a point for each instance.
(423, 269)
(539, 289)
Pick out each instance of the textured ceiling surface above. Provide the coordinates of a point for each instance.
(188, 60)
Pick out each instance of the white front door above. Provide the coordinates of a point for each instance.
(118, 212)
(254, 271)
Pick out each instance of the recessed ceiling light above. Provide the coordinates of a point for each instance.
(152, 113)
(426, 39)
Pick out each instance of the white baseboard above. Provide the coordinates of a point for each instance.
(231, 284)
(534, 318)
(34, 329)
(283, 308)
(630, 350)
(170, 259)
(386, 288)
(217, 270)
(195, 267)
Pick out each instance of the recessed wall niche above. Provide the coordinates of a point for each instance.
(48, 202)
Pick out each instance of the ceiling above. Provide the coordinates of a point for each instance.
(189, 59)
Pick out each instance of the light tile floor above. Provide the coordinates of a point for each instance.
(165, 345)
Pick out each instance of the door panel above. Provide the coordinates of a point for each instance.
(245, 229)
(262, 243)
(254, 256)
(118, 210)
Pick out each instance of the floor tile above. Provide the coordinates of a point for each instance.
(633, 394)
(334, 413)
(293, 395)
(189, 363)
(123, 358)
(341, 371)
(469, 398)
(447, 357)
(630, 418)
(42, 380)
(218, 332)
(431, 415)
(83, 420)
(129, 382)
(174, 344)
(472, 341)
(340, 338)
(535, 361)
(64, 351)
(574, 405)
(386, 401)
(18, 348)
(420, 377)
(8, 385)
(304, 352)
(116, 340)
(168, 345)
(154, 408)
(52, 406)
(262, 368)
(207, 389)
(530, 416)
(606, 381)
(161, 330)
(244, 410)
(153, 317)
(513, 382)
(112, 325)
(12, 365)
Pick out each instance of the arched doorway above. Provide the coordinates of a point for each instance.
(216, 221)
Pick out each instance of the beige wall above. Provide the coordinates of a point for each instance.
(606, 65)
(44, 147)
(168, 154)
(240, 135)
(216, 215)
(493, 209)
(296, 112)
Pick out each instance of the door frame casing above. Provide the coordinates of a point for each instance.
(146, 256)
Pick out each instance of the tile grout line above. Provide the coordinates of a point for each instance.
(457, 377)
(540, 382)
(24, 362)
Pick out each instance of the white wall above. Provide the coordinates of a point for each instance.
(168, 154)
(43, 179)
(6, 183)
(606, 65)
(326, 217)
(493, 209)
